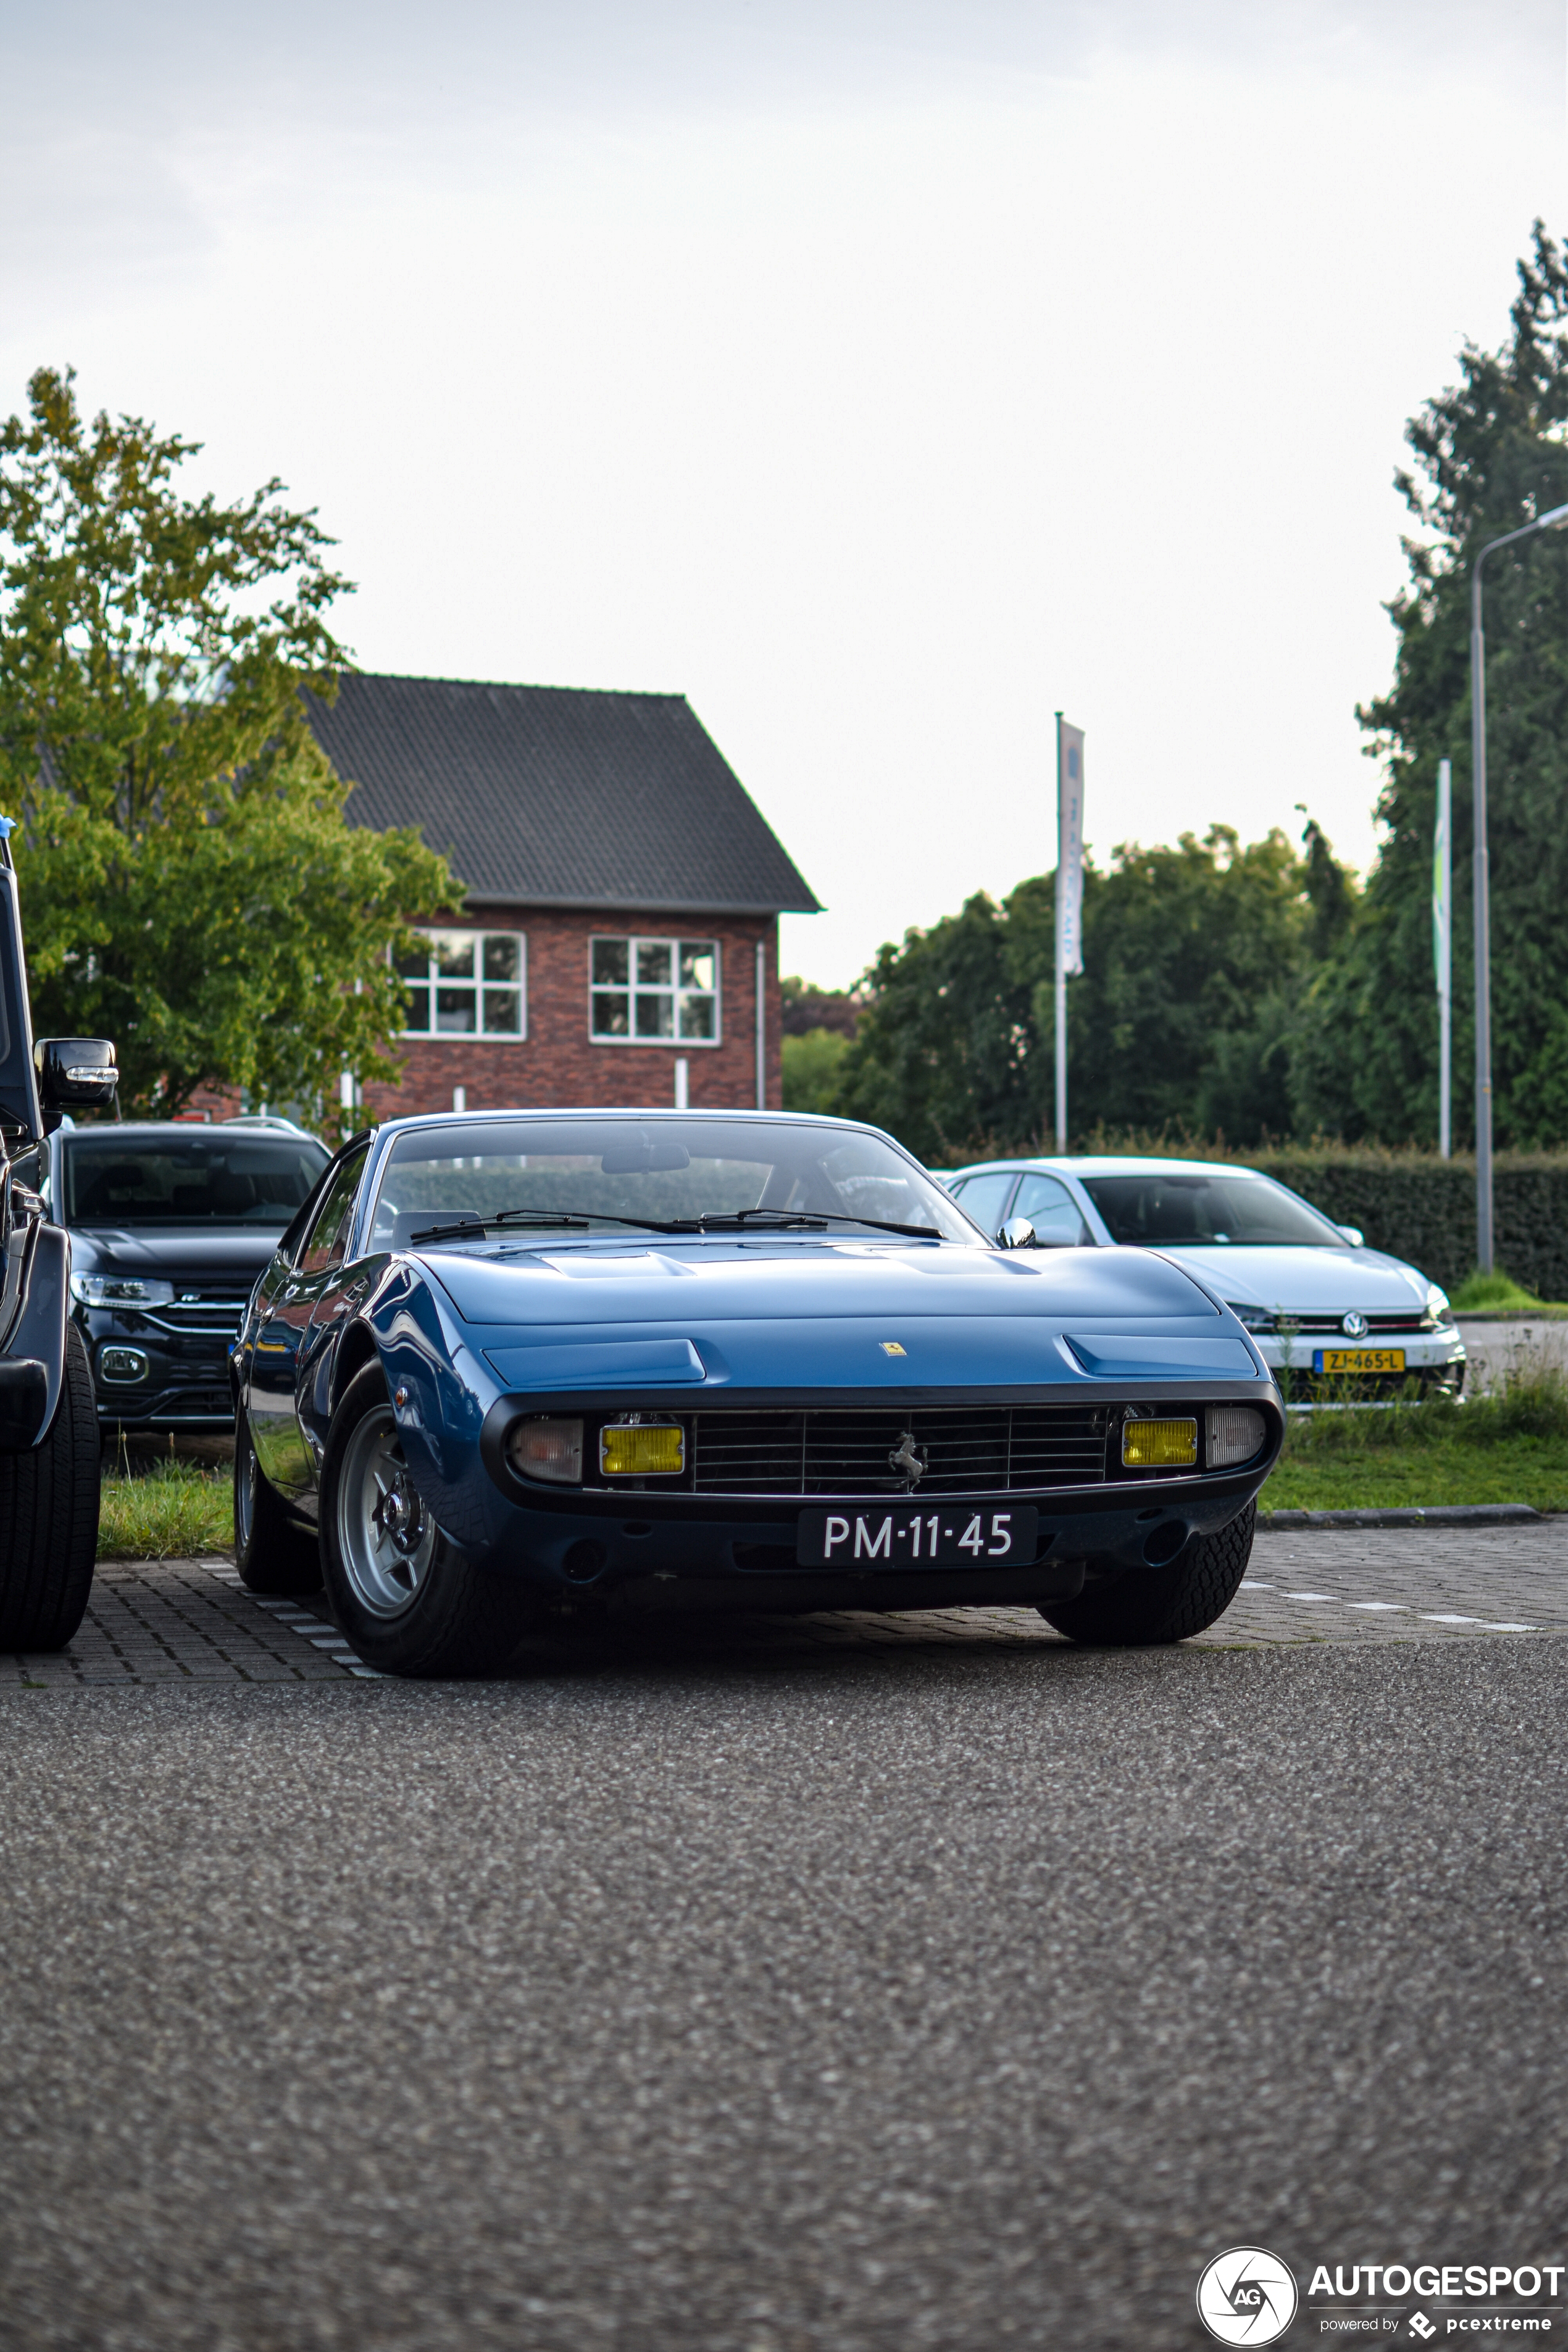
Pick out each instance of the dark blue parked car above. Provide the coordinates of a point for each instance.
(512, 1364)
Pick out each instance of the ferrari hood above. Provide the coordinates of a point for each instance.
(765, 1314)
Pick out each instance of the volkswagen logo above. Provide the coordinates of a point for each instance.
(1354, 1326)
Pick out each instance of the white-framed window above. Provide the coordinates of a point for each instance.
(653, 992)
(467, 984)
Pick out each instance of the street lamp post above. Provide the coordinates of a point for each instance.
(1553, 521)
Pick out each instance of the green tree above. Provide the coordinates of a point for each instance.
(941, 1057)
(811, 1063)
(1196, 959)
(1490, 453)
(190, 885)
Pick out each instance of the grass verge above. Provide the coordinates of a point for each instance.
(1498, 1294)
(1510, 1447)
(175, 1510)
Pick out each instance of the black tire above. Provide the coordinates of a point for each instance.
(419, 1608)
(272, 1553)
(48, 1517)
(1151, 1605)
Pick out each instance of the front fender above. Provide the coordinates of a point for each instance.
(441, 1389)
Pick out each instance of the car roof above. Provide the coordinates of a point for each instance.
(1115, 1165)
(577, 1112)
(217, 1131)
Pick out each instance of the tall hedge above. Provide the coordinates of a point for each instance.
(1424, 1209)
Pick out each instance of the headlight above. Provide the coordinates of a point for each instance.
(119, 1290)
(1438, 1310)
(1256, 1318)
(642, 1449)
(1236, 1434)
(552, 1450)
(1160, 1444)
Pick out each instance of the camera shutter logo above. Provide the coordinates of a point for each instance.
(1247, 2296)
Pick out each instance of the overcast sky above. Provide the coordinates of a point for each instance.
(883, 374)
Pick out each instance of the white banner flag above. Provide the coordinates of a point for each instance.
(1442, 880)
(1069, 848)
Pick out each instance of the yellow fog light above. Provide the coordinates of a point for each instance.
(1160, 1444)
(642, 1449)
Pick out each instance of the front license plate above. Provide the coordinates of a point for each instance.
(910, 1537)
(1358, 1359)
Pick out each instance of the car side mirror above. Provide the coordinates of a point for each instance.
(73, 1074)
(1017, 1234)
(1353, 1234)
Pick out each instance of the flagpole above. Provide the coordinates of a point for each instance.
(1061, 1022)
(1443, 946)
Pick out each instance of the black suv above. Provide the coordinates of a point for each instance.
(48, 1430)
(170, 1225)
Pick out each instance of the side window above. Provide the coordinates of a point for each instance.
(328, 1235)
(985, 1197)
(1050, 1209)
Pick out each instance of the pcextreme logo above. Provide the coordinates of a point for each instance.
(1247, 2296)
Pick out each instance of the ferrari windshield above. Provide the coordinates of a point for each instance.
(1218, 1208)
(745, 1175)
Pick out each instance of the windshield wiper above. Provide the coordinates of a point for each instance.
(710, 1221)
(815, 1219)
(479, 1226)
(883, 1225)
(555, 1219)
(810, 1220)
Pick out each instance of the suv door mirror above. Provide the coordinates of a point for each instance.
(1018, 1233)
(73, 1074)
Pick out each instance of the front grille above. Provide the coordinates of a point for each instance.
(221, 1317)
(972, 1449)
(1332, 1325)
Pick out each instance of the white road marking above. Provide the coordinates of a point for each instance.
(1399, 1605)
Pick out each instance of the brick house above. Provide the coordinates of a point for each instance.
(618, 940)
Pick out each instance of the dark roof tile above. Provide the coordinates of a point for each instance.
(556, 796)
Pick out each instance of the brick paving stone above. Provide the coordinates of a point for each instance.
(190, 1620)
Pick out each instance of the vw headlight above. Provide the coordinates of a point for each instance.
(1439, 1314)
(120, 1290)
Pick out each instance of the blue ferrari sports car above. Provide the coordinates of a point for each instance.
(521, 1364)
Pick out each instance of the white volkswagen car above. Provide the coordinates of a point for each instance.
(1320, 1305)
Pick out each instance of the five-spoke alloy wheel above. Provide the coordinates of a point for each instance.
(403, 1593)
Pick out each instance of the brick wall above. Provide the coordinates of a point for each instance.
(556, 1065)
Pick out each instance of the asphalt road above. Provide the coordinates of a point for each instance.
(853, 1999)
